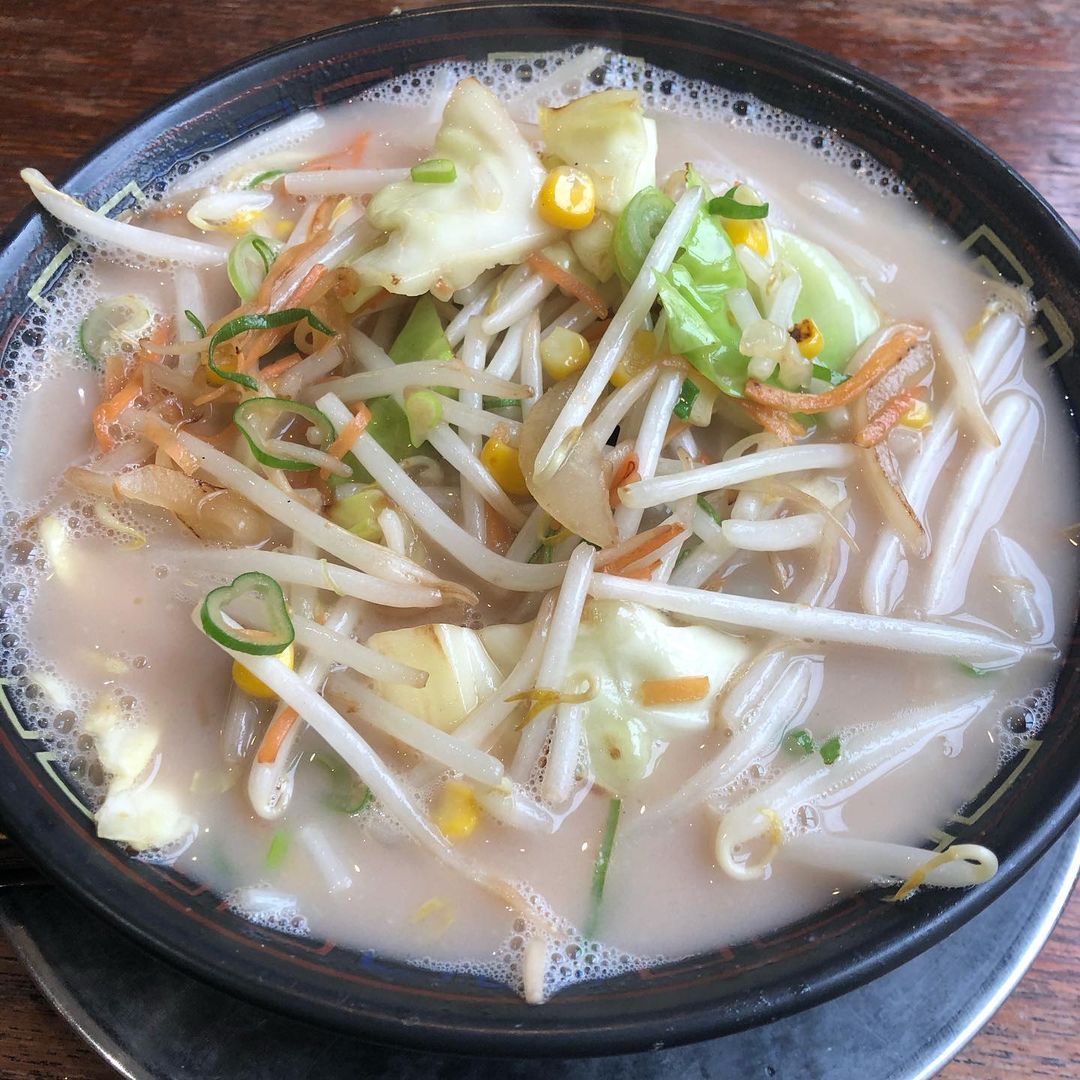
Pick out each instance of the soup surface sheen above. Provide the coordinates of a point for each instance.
(92, 615)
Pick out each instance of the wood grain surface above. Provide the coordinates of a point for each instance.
(72, 71)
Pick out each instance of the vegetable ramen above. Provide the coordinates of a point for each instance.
(534, 526)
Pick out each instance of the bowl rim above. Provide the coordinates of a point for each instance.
(618, 1034)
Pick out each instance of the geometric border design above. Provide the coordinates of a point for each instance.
(46, 276)
(45, 757)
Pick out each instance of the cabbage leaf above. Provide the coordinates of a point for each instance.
(830, 296)
(608, 135)
(441, 237)
(618, 647)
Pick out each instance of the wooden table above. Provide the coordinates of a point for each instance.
(71, 71)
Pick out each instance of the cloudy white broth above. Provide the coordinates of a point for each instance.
(536, 519)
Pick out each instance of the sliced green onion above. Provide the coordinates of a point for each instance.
(600, 868)
(243, 323)
(975, 672)
(687, 396)
(257, 417)
(424, 411)
(112, 323)
(359, 513)
(830, 750)
(264, 178)
(389, 427)
(200, 326)
(275, 634)
(799, 741)
(500, 403)
(638, 226)
(279, 849)
(249, 262)
(434, 171)
(829, 375)
(347, 794)
(710, 509)
(728, 206)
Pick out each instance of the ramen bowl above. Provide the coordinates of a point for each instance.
(1001, 221)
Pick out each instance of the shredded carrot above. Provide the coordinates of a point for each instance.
(349, 434)
(780, 424)
(350, 157)
(592, 334)
(286, 261)
(213, 395)
(641, 573)
(674, 691)
(625, 474)
(275, 735)
(321, 219)
(262, 341)
(279, 367)
(115, 374)
(887, 417)
(108, 412)
(649, 542)
(161, 335)
(164, 438)
(499, 535)
(283, 265)
(569, 283)
(887, 355)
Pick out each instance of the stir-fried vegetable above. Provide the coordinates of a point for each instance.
(608, 136)
(727, 206)
(114, 326)
(347, 795)
(434, 171)
(600, 868)
(830, 296)
(442, 236)
(261, 421)
(196, 322)
(249, 262)
(255, 321)
(422, 337)
(520, 367)
(278, 851)
(263, 602)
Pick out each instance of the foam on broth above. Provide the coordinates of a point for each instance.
(118, 623)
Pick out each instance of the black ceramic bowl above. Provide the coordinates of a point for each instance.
(970, 191)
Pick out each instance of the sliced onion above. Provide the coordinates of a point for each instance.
(576, 493)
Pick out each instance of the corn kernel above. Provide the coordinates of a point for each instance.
(567, 199)
(256, 687)
(241, 223)
(563, 352)
(640, 353)
(917, 417)
(808, 337)
(458, 812)
(751, 232)
(501, 460)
